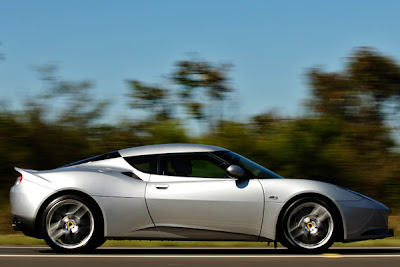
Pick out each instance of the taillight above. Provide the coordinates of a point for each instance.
(19, 180)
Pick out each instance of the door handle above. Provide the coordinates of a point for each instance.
(162, 186)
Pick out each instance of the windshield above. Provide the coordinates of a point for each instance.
(255, 169)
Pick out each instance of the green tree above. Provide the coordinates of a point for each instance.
(68, 103)
(194, 76)
(152, 98)
(199, 87)
(363, 92)
(51, 130)
(362, 97)
(1, 54)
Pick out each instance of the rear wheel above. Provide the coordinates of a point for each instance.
(72, 223)
(308, 225)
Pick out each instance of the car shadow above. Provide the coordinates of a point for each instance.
(228, 251)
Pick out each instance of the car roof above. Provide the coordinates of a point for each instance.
(168, 148)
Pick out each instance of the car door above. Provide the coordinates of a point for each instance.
(191, 198)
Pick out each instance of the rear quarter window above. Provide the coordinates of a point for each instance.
(147, 163)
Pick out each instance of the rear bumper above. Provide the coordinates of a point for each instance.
(18, 225)
(26, 199)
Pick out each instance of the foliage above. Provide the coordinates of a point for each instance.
(69, 103)
(368, 87)
(153, 98)
(2, 57)
(198, 89)
(193, 75)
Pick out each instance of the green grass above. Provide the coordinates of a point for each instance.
(21, 240)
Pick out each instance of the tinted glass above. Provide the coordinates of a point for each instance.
(147, 163)
(193, 165)
(252, 168)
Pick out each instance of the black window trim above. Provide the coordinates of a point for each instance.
(110, 155)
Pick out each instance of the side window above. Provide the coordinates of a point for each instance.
(147, 163)
(192, 165)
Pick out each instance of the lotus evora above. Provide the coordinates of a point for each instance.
(187, 192)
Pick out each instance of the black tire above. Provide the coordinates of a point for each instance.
(309, 225)
(72, 223)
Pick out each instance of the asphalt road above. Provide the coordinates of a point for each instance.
(209, 257)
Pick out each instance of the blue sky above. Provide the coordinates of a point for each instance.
(271, 44)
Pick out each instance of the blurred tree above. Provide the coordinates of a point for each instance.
(363, 92)
(363, 96)
(27, 141)
(68, 103)
(201, 89)
(52, 129)
(195, 75)
(153, 98)
(264, 123)
(166, 132)
(2, 57)
(232, 135)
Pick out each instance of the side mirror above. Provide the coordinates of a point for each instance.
(235, 171)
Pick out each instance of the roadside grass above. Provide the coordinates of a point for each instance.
(20, 239)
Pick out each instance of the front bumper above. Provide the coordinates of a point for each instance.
(365, 219)
(391, 233)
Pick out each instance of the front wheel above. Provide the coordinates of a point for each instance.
(308, 225)
(72, 223)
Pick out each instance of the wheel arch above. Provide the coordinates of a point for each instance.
(339, 236)
(63, 193)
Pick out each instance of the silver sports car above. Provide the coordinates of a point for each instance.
(187, 192)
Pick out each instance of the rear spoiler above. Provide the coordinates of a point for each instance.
(27, 173)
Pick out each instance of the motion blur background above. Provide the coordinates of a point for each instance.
(309, 89)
